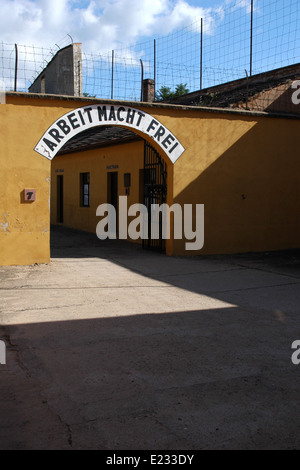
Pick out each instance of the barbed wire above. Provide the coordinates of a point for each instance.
(223, 36)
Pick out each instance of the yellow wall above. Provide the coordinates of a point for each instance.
(246, 171)
(24, 227)
(128, 158)
(243, 167)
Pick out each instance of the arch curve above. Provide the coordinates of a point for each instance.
(80, 119)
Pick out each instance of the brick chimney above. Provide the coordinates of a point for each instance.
(148, 90)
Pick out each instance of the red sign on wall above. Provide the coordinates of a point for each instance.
(29, 195)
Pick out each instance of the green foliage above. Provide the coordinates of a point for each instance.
(87, 95)
(165, 93)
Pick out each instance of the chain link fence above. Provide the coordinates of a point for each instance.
(244, 38)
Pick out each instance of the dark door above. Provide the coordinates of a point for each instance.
(60, 199)
(155, 192)
(112, 191)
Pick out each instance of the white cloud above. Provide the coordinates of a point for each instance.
(245, 4)
(184, 14)
(98, 24)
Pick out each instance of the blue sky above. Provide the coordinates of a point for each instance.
(129, 27)
(103, 24)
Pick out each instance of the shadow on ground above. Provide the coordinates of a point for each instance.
(114, 348)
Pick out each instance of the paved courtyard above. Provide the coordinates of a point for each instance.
(116, 348)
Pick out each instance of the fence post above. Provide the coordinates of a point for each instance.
(142, 78)
(112, 74)
(154, 67)
(16, 67)
(247, 89)
(201, 54)
(251, 39)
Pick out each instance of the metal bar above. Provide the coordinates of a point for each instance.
(154, 193)
(79, 81)
(247, 90)
(201, 54)
(112, 74)
(144, 182)
(154, 67)
(251, 38)
(16, 67)
(142, 79)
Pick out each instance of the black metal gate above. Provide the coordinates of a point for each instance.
(155, 192)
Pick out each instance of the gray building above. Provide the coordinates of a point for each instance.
(63, 74)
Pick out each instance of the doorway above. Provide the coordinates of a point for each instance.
(112, 191)
(60, 199)
(154, 180)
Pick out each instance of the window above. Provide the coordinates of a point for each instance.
(85, 189)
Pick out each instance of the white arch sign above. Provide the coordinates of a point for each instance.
(81, 119)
